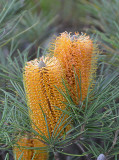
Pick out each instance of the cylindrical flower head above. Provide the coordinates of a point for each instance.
(76, 53)
(41, 92)
(27, 154)
(41, 79)
(19, 150)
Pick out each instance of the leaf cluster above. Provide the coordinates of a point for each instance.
(104, 22)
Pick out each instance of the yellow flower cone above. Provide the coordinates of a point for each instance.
(41, 92)
(28, 154)
(76, 53)
(19, 150)
(40, 79)
(39, 154)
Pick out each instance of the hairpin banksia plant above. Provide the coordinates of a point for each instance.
(77, 55)
(40, 81)
(72, 55)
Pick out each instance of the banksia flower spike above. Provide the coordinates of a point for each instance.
(18, 150)
(27, 154)
(40, 89)
(76, 54)
(40, 80)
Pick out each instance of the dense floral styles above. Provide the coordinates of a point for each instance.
(41, 92)
(40, 79)
(76, 54)
(27, 154)
(18, 150)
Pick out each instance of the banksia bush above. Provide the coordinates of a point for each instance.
(70, 113)
(78, 56)
(72, 56)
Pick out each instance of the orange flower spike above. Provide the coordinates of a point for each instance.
(41, 91)
(40, 79)
(78, 52)
(28, 154)
(21, 150)
(39, 154)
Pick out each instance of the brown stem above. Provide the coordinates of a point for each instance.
(82, 149)
(114, 141)
(56, 156)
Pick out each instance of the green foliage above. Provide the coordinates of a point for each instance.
(104, 21)
(9, 18)
(67, 11)
(22, 24)
(41, 25)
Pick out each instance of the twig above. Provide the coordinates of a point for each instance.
(82, 149)
(114, 141)
(56, 156)
(79, 137)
